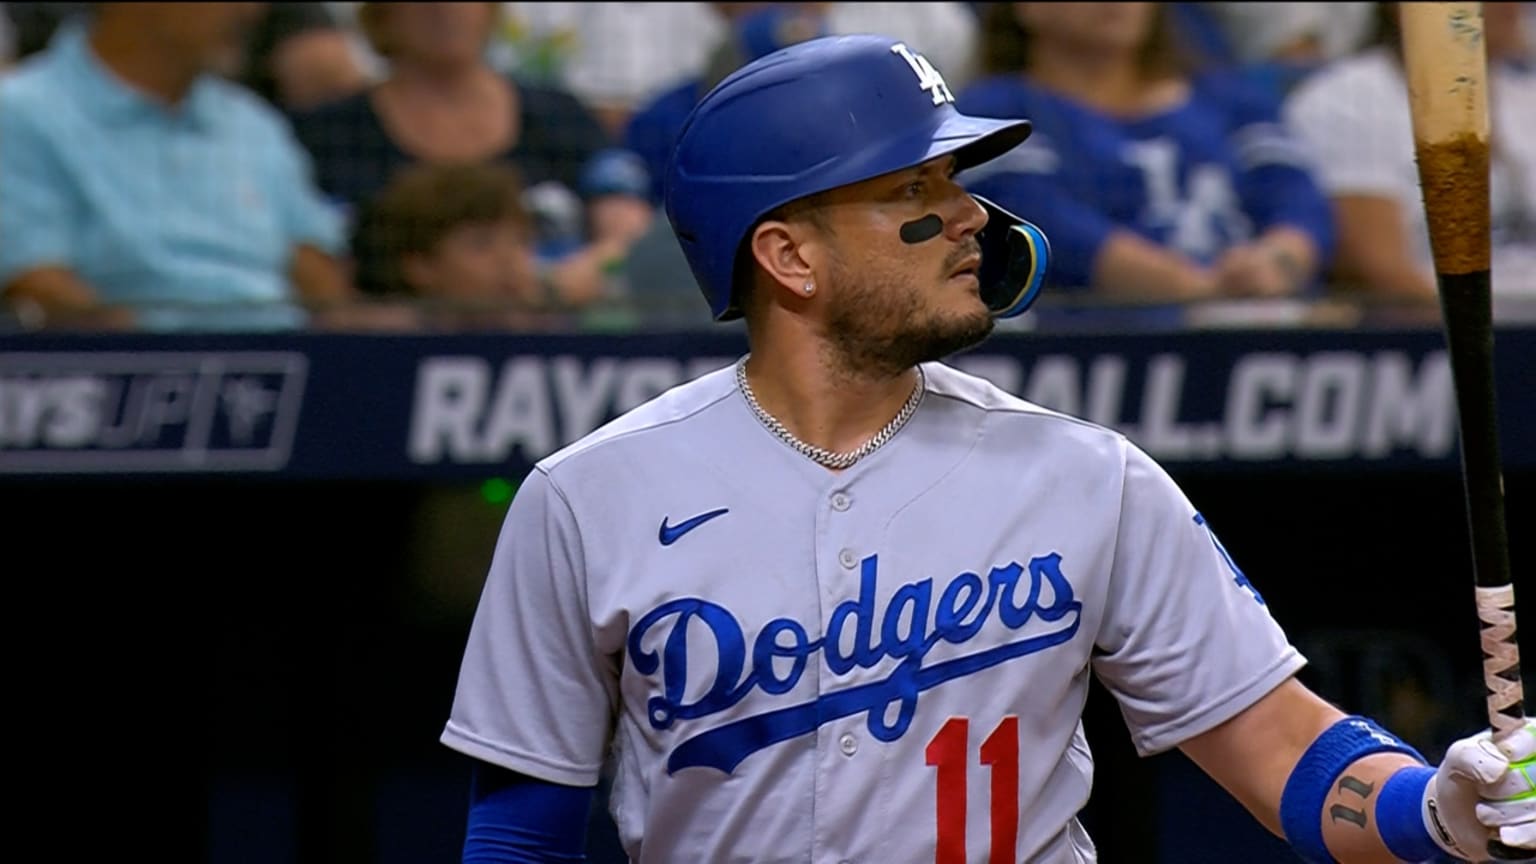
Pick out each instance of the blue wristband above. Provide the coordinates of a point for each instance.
(1301, 804)
(1400, 815)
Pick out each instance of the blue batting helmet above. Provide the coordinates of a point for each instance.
(826, 113)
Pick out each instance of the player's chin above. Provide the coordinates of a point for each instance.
(964, 322)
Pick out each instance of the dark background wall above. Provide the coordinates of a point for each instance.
(257, 671)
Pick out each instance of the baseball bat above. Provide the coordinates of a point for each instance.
(1446, 66)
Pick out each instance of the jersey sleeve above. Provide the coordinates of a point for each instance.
(1277, 178)
(307, 218)
(534, 694)
(38, 213)
(1186, 641)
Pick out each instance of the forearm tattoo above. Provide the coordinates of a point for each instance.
(1353, 815)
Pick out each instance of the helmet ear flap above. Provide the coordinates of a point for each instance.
(1015, 255)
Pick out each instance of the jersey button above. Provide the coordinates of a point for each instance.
(840, 502)
(848, 559)
(848, 744)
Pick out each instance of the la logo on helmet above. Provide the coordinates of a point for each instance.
(928, 77)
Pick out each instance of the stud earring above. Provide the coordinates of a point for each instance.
(810, 288)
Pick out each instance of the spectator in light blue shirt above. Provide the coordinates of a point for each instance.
(138, 188)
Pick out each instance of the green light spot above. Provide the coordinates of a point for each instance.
(1524, 767)
(496, 491)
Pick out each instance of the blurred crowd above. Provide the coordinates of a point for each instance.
(498, 166)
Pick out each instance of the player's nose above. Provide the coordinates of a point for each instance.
(968, 219)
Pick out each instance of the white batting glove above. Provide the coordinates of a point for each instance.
(1484, 791)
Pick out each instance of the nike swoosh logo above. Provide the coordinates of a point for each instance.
(669, 534)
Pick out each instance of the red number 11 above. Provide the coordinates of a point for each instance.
(947, 752)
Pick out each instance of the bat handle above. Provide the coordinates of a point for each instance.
(1501, 675)
(1501, 660)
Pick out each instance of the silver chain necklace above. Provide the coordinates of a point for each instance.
(820, 454)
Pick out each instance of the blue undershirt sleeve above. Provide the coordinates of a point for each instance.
(517, 819)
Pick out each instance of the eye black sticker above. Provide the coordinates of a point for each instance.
(922, 230)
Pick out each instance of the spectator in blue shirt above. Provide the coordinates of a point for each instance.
(138, 188)
(1155, 183)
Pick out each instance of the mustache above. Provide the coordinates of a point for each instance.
(969, 249)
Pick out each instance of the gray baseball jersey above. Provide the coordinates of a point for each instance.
(887, 663)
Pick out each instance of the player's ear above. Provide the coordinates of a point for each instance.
(786, 252)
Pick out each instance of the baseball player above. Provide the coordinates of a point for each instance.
(840, 601)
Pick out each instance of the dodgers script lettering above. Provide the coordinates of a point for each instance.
(910, 626)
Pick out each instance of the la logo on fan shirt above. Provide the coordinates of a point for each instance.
(928, 78)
